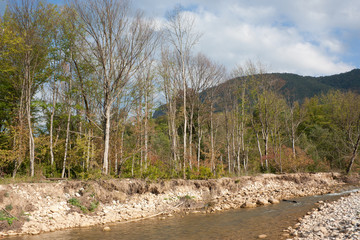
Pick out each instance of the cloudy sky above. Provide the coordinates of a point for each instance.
(307, 37)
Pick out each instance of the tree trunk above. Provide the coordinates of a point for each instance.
(105, 168)
(174, 134)
(212, 140)
(146, 131)
(88, 151)
(185, 128)
(18, 161)
(259, 148)
(66, 144)
(190, 135)
(353, 156)
(52, 125)
(28, 115)
(293, 142)
(227, 139)
(266, 139)
(293, 129)
(121, 150)
(199, 147)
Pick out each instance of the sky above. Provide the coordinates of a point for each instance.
(306, 37)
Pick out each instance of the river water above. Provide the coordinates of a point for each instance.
(233, 224)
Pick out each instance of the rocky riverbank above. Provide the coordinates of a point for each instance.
(335, 221)
(33, 208)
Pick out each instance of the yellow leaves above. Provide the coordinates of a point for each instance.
(10, 45)
(7, 156)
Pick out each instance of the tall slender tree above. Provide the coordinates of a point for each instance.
(182, 37)
(117, 42)
(33, 21)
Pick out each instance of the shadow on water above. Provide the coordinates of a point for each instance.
(234, 224)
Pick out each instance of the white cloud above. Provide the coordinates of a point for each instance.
(304, 37)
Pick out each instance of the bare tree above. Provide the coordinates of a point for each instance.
(295, 115)
(204, 75)
(181, 35)
(168, 74)
(117, 44)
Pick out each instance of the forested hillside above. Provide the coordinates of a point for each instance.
(79, 85)
(296, 88)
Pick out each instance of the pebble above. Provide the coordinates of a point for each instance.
(265, 189)
(106, 229)
(337, 220)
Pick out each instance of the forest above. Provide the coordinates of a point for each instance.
(96, 89)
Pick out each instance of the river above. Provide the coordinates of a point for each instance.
(233, 224)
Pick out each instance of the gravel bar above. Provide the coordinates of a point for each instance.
(336, 220)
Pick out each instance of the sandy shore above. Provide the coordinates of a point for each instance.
(45, 207)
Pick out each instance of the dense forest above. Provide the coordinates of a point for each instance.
(79, 86)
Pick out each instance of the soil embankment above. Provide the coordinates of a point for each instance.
(32, 208)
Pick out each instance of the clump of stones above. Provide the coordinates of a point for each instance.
(335, 221)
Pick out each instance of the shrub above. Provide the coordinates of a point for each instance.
(5, 217)
(75, 202)
(8, 207)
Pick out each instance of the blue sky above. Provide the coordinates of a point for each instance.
(312, 37)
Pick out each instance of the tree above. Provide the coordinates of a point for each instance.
(295, 115)
(32, 21)
(181, 35)
(116, 45)
(11, 129)
(204, 75)
(167, 71)
(345, 113)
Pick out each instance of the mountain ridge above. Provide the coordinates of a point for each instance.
(295, 86)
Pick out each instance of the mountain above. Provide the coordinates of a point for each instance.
(295, 86)
(301, 87)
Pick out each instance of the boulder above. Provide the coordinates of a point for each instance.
(273, 201)
(262, 201)
(248, 205)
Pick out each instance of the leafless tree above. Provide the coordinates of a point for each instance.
(204, 75)
(182, 38)
(169, 82)
(117, 42)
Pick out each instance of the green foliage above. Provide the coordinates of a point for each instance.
(91, 174)
(93, 206)
(75, 202)
(154, 173)
(325, 132)
(4, 216)
(201, 173)
(8, 207)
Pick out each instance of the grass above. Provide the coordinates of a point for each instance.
(93, 206)
(4, 216)
(8, 207)
(188, 197)
(75, 202)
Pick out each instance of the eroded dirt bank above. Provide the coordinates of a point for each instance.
(32, 208)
